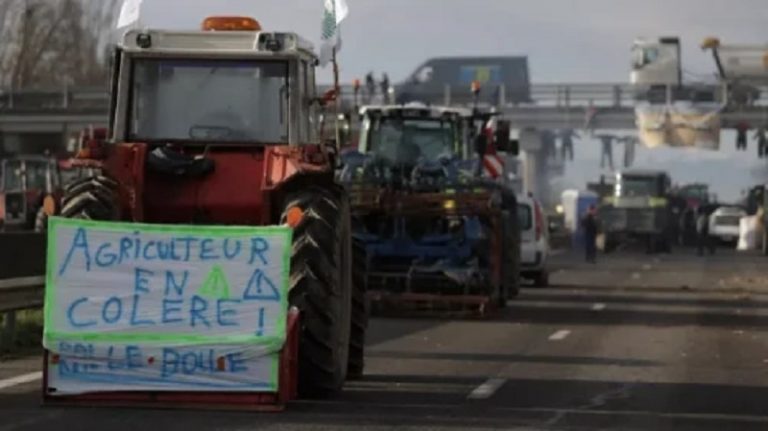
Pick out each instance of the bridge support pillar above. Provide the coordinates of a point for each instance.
(535, 167)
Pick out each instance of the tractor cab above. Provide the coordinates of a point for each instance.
(26, 180)
(411, 144)
(637, 187)
(229, 84)
(210, 105)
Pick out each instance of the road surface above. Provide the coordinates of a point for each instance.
(634, 342)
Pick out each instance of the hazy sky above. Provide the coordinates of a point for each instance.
(565, 40)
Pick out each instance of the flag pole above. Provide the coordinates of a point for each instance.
(337, 91)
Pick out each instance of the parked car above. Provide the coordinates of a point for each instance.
(534, 244)
(724, 223)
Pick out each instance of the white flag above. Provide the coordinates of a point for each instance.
(129, 13)
(333, 14)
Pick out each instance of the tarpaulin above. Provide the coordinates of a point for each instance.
(679, 126)
(749, 233)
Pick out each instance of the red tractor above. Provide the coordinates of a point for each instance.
(69, 172)
(26, 181)
(221, 126)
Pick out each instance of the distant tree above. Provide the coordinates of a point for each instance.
(55, 43)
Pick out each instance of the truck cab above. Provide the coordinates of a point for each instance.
(641, 188)
(656, 62)
(640, 208)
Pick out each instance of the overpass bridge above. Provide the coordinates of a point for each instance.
(64, 112)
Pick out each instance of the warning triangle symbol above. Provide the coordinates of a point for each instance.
(215, 285)
(261, 288)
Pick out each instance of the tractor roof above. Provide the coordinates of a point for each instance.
(257, 44)
(414, 110)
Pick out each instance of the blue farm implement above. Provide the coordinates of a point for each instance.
(431, 251)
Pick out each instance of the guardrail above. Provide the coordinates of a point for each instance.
(18, 294)
(22, 261)
(21, 293)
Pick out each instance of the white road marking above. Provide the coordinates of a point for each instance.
(598, 307)
(560, 335)
(20, 380)
(487, 389)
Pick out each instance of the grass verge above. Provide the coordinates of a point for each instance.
(26, 339)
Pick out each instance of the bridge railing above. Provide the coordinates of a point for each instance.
(563, 95)
(544, 95)
(21, 293)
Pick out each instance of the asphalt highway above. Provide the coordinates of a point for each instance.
(634, 342)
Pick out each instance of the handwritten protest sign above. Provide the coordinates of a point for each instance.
(164, 307)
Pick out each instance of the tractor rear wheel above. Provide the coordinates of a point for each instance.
(321, 288)
(360, 312)
(91, 198)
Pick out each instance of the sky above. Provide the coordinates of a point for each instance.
(565, 41)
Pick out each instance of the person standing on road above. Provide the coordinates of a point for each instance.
(704, 241)
(589, 223)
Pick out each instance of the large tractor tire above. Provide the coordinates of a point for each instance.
(91, 198)
(321, 288)
(360, 313)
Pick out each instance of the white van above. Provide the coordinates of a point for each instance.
(725, 222)
(534, 241)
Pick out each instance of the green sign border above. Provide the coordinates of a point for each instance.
(273, 343)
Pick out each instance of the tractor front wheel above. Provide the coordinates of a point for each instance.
(91, 198)
(321, 288)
